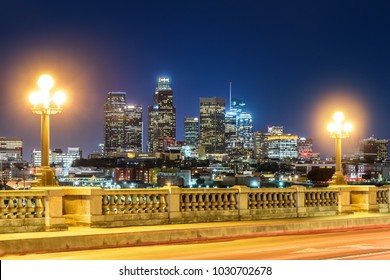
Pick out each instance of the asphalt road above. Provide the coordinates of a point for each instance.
(373, 244)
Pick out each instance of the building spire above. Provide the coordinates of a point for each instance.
(230, 95)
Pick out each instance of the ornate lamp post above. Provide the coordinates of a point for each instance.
(45, 104)
(339, 130)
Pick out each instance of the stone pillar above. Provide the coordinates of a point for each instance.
(83, 206)
(174, 213)
(300, 200)
(344, 198)
(363, 198)
(242, 202)
(54, 219)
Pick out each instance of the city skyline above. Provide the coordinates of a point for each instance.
(286, 60)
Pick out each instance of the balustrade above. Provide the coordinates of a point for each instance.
(320, 197)
(20, 205)
(133, 202)
(271, 198)
(210, 200)
(382, 196)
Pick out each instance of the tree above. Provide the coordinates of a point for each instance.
(320, 174)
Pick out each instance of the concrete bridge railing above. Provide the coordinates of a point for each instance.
(55, 208)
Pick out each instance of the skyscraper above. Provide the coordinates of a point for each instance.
(191, 133)
(212, 124)
(238, 105)
(245, 132)
(261, 144)
(231, 132)
(133, 127)
(161, 117)
(114, 121)
(122, 125)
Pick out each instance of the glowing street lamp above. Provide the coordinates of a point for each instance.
(339, 130)
(45, 104)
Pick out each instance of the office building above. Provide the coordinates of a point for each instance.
(238, 105)
(282, 146)
(231, 132)
(191, 133)
(123, 125)
(245, 133)
(11, 149)
(261, 144)
(133, 128)
(275, 130)
(212, 125)
(114, 121)
(161, 118)
(374, 150)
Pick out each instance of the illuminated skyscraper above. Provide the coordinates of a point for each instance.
(238, 105)
(161, 117)
(114, 121)
(261, 144)
(245, 132)
(231, 132)
(133, 126)
(212, 124)
(122, 125)
(191, 133)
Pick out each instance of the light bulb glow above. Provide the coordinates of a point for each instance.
(45, 82)
(59, 98)
(338, 117)
(35, 98)
(331, 127)
(348, 127)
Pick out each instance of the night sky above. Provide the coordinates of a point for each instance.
(293, 62)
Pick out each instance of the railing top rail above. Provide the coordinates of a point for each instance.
(272, 190)
(382, 188)
(18, 193)
(133, 191)
(321, 190)
(213, 190)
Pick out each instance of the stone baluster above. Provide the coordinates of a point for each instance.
(105, 201)
(39, 210)
(11, 208)
(2, 208)
(154, 203)
(126, 204)
(134, 204)
(21, 211)
(225, 201)
(214, 202)
(325, 199)
(163, 204)
(186, 203)
(29, 207)
(194, 203)
(207, 203)
(253, 200)
(264, 200)
(232, 201)
(219, 201)
(201, 203)
(282, 202)
(112, 205)
(143, 200)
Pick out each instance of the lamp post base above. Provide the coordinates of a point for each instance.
(338, 179)
(45, 177)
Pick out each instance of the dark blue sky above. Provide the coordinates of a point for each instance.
(294, 62)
